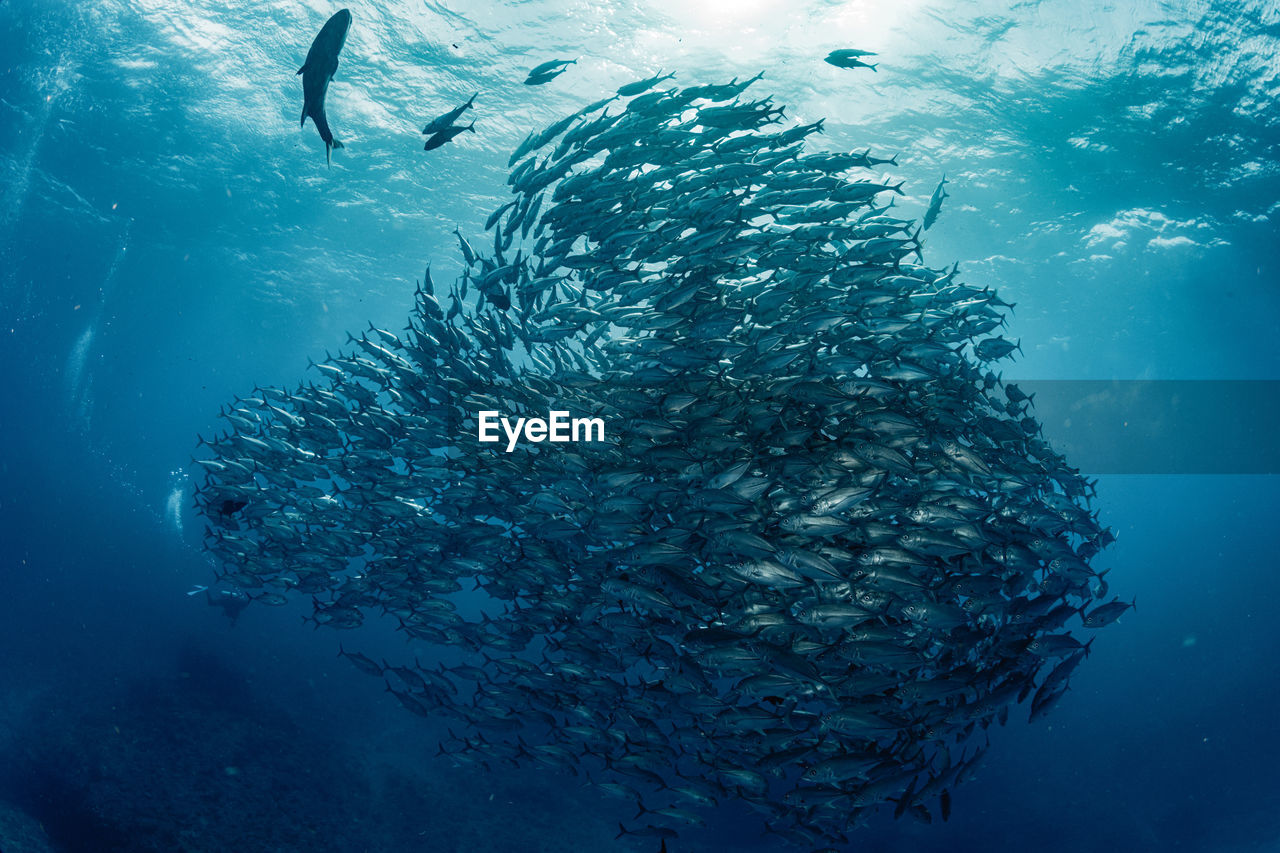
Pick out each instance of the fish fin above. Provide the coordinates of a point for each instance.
(300, 70)
(904, 801)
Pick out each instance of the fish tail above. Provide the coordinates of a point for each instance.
(322, 127)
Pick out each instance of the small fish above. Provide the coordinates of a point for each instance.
(443, 136)
(848, 53)
(643, 85)
(551, 65)
(935, 203)
(1104, 614)
(848, 58)
(547, 71)
(445, 121)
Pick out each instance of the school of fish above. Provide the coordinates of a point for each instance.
(822, 548)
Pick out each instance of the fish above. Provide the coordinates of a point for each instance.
(446, 120)
(639, 86)
(550, 66)
(935, 204)
(360, 662)
(442, 136)
(317, 70)
(849, 53)
(547, 71)
(849, 58)
(1105, 614)
(822, 550)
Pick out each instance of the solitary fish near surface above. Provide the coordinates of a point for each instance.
(445, 121)
(551, 65)
(547, 71)
(849, 58)
(849, 53)
(448, 133)
(318, 70)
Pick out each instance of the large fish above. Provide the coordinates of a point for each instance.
(318, 70)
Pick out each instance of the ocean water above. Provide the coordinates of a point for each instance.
(170, 239)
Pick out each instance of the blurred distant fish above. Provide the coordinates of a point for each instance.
(318, 70)
(935, 204)
(446, 121)
(547, 71)
(849, 58)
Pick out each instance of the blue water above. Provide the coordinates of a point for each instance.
(171, 239)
